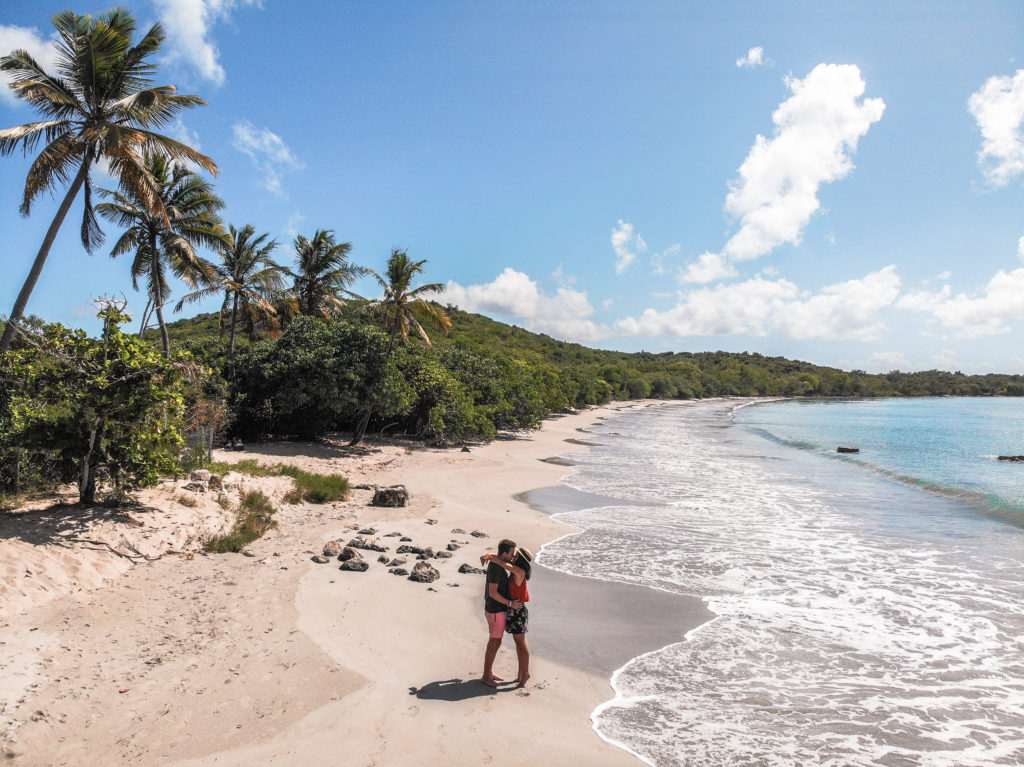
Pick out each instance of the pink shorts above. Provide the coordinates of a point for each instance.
(496, 624)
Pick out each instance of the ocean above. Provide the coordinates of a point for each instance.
(870, 608)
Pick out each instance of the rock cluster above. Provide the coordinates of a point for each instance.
(396, 495)
(351, 556)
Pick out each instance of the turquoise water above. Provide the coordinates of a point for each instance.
(948, 445)
(870, 610)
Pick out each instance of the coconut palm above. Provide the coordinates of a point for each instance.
(167, 243)
(249, 280)
(402, 309)
(322, 274)
(99, 106)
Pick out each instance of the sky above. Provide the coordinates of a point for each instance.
(836, 182)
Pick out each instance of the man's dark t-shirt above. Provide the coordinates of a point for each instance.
(495, 574)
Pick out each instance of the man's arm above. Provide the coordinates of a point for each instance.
(492, 592)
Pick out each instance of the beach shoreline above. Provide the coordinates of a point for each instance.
(271, 659)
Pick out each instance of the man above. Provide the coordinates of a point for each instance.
(496, 604)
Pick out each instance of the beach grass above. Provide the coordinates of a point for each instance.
(255, 517)
(309, 487)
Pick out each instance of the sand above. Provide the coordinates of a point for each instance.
(178, 657)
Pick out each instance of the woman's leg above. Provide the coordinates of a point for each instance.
(523, 653)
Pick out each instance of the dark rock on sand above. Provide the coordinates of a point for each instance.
(367, 531)
(469, 569)
(458, 531)
(355, 566)
(406, 548)
(452, 547)
(348, 553)
(398, 571)
(362, 543)
(405, 538)
(443, 555)
(478, 534)
(424, 573)
(319, 559)
(396, 562)
(383, 559)
(391, 535)
(396, 495)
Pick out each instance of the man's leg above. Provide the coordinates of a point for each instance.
(489, 655)
(495, 630)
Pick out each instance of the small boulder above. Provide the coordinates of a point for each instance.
(443, 555)
(200, 475)
(332, 548)
(395, 495)
(406, 548)
(465, 450)
(398, 571)
(383, 559)
(215, 482)
(469, 569)
(405, 538)
(478, 534)
(348, 553)
(195, 487)
(319, 559)
(367, 531)
(355, 566)
(452, 547)
(424, 572)
(391, 535)
(458, 531)
(396, 562)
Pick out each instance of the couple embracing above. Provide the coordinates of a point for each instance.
(505, 599)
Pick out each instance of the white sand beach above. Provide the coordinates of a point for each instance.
(224, 659)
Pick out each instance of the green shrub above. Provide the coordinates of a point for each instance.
(315, 488)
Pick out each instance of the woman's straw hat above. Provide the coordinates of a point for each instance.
(526, 553)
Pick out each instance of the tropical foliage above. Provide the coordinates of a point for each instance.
(101, 106)
(322, 274)
(249, 280)
(88, 407)
(167, 241)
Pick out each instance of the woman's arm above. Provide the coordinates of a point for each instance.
(516, 572)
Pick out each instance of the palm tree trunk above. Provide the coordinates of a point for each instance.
(163, 331)
(145, 318)
(44, 251)
(234, 315)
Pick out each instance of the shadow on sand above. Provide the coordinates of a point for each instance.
(458, 689)
(61, 522)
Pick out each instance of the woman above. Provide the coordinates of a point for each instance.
(519, 571)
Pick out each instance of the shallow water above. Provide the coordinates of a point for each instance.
(862, 621)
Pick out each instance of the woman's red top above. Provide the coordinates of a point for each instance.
(521, 593)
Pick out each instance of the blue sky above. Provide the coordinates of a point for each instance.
(831, 181)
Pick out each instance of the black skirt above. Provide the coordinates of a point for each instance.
(517, 620)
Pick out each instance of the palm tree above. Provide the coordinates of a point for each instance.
(249, 280)
(167, 242)
(322, 273)
(401, 310)
(99, 106)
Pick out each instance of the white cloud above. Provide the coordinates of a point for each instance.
(999, 110)
(761, 307)
(816, 132)
(514, 294)
(660, 261)
(13, 38)
(188, 25)
(269, 154)
(1020, 248)
(754, 58)
(883, 362)
(708, 268)
(947, 359)
(291, 226)
(627, 245)
(944, 275)
(983, 315)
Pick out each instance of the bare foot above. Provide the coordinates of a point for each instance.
(522, 682)
(488, 681)
(495, 678)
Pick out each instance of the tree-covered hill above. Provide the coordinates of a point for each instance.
(669, 374)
